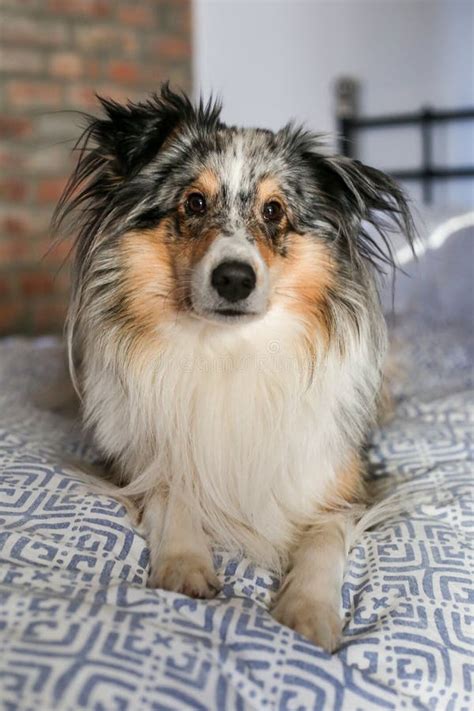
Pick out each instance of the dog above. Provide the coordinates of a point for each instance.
(226, 338)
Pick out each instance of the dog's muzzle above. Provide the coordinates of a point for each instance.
(231, 281)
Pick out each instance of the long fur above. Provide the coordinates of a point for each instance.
(253, 423)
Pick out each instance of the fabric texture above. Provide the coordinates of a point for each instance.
(79, 629)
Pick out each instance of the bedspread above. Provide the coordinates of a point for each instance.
(79, 629)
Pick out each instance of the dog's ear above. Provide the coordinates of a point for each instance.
(133, 134)
(356, 197)
(115, 147)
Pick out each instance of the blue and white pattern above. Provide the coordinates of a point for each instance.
(80, 630)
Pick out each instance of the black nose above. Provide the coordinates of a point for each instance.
(233, 280)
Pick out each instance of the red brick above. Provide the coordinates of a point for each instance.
(53, 127)
(104, 38)
(36, 283)
(23, 221)
(47, 159)
(10, 314)
(20, 4)
(92, 68)
(6, 286)
(13, 189)
(12, 249)
(28, 94)
(32, 32)
(66, 65)
(140, 15)
(85, 97)
(82, 8)
(171, 47)
(15, 225)
(20, 61)
(15, 127)
(124, 72)
(81, 97)
(49, 317)
(52, 251)
(11, 159)
(175, 17)
(50, 189)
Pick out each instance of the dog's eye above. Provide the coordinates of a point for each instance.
(196, 204)
(272, 211)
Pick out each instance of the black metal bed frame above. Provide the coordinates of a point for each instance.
(350, 123)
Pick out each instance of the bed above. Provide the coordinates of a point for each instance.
(79, 629)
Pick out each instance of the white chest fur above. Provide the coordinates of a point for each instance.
(239, 419)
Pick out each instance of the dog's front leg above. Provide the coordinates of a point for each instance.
(180, 554)
(310, 598)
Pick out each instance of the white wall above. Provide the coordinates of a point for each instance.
(272, 60)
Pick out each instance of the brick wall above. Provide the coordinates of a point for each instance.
(54, 54)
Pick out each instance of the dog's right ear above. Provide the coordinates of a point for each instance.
(131, 135)
(115, 147)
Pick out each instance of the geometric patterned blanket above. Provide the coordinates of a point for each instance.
(79, 629)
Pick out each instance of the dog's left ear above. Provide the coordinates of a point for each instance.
(357, 196)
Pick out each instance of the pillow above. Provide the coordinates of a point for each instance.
(437, 286)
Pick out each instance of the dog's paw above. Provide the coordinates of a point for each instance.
(186, 574)
(320, 622)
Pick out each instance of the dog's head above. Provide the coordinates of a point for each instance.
(181, 214)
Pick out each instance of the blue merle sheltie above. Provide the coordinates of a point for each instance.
(227, 341)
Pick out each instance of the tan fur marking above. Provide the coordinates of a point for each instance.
(208, 183)
(149, 283)
(349, 486)
(269, 188)
(302, 280)
(195, 249)
(266, 252)
(157, 272)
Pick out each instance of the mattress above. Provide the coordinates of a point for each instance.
(79, 629)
